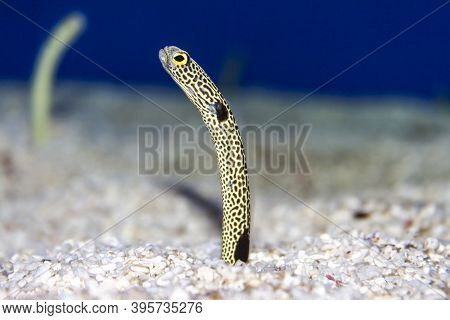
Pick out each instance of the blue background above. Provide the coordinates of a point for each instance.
(283, 45)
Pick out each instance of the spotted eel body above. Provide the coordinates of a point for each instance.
(221, 124)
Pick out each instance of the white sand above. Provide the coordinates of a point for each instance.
(391, 195)
(349, 266)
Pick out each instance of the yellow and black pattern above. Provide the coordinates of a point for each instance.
(219, 120)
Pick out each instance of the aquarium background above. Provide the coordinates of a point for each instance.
(78, 219)
(287, 45)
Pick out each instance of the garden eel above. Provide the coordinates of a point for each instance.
(221, 124)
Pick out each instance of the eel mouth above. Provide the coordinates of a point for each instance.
(164, 57)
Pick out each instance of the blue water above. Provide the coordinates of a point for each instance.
(292, 45)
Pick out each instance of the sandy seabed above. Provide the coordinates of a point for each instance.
(371, 221)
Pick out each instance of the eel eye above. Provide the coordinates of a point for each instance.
(180, 59)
